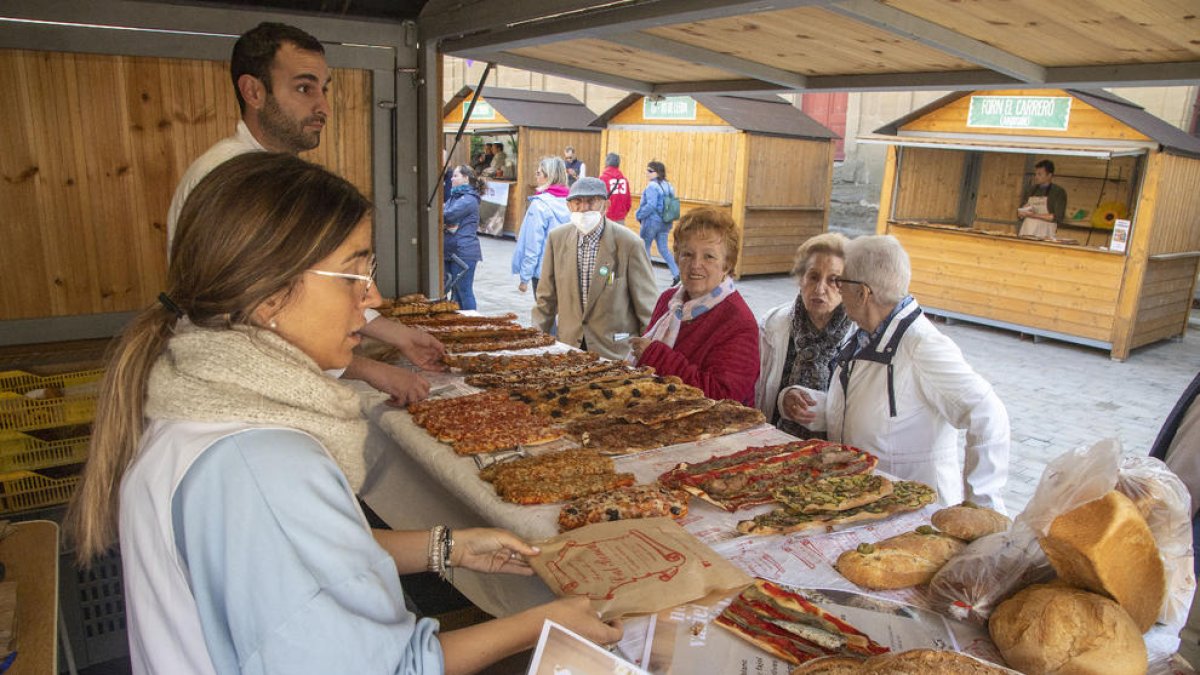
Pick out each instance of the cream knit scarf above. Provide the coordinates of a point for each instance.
(252, 375)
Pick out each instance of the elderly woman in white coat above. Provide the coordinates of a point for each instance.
(901, 389)
(798, 341)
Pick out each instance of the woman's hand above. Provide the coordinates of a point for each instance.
(523, 286)
(492, 551)
(424, 350)
(637, 345)
(796, 406)
(576, 613)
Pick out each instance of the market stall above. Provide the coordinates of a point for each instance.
(1118, 274)
(758, 156)
(530, 125)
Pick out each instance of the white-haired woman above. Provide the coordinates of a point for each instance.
(799, 340)
(910, 389)
(547, 209)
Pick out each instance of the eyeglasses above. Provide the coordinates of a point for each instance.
(839, 281)
(369, 277)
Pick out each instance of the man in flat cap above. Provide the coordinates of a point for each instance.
(596, 277)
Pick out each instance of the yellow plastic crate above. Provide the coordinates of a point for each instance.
(24, 490)
(21, 413)
(19, 381)
(24, 452)
(25, 406)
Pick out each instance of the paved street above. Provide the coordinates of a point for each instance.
(1058, 395)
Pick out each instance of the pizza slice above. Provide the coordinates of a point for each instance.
(658, 412)
(549, 465)
(636, 501)
(787, 625)
(562, 488)
(906, 496)
(838, 493)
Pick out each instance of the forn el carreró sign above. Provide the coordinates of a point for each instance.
(1049, 113)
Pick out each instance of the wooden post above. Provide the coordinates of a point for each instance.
(1135, 261)
(887, 195)
(740, 179)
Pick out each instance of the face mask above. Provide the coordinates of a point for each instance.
(586, 221)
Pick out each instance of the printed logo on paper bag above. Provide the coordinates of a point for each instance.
(613, 563)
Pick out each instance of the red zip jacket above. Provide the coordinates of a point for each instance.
(619, 201)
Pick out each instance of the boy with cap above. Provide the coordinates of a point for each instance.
(596, 277)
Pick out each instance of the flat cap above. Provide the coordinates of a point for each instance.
(588, 187)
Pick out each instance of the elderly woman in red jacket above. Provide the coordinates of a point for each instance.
(701, 330)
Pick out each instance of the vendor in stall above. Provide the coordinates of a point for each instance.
(1043, 204)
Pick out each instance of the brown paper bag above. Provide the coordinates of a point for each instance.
(631, 567)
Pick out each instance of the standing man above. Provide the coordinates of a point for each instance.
(1044, 204)
(619, 201)
(596, 278)
(575, 168)
(282, 80)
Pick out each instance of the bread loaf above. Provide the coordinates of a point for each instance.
(928, 662)
(1105, 546)
(969, 522)
(1054, 628)
(902, 561)
(830, 665)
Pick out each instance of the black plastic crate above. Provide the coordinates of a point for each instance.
(92, 603)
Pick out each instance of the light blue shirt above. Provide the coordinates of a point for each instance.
(286, 575)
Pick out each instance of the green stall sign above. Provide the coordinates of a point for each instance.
(669, 108)
(482, 111)
(1050, 113)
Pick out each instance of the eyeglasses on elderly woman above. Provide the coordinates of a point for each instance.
(838, 281)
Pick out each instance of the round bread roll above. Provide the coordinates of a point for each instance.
(928, 662)
(1054, 628)
(830, 665)
(969, 522)
(902, 561)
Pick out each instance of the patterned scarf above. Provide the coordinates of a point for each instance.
(666, 329)
(252, 375)
(812, 351)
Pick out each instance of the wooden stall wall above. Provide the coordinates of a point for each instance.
(1165, 297)
(90, 157)
(1053, 288)
(690, 158)
(1085, 120)
(1001, 179)
(533, 144)
(787, 200)
(930, 185)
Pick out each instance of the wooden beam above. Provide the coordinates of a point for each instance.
(605, 20)
(940, 38)
(709, 57)
(562, 70)
(715, 87)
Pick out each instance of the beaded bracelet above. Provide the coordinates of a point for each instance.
(441, 546)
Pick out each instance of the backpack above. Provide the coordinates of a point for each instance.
(670, 206)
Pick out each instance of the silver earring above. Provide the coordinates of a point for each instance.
(273, 324)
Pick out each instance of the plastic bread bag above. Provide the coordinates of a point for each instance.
(987, 572)
(1070, 480)
(1165, 503)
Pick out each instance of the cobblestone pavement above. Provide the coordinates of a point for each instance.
(1058, 395)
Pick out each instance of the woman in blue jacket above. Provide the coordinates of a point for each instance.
(547, 209)
(460, 216)
(649, 215)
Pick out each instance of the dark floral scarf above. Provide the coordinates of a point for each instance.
(810, 357)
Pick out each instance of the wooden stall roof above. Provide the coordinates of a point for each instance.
(757, 113)
(536, 109)
(1170, 139)
(696, 46)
